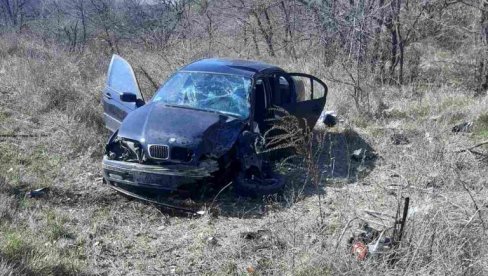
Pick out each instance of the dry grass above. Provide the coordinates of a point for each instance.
(81, 226)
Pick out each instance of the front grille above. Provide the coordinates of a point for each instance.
(181, 154)
(159, 151)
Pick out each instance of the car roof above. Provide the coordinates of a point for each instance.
(246, 68)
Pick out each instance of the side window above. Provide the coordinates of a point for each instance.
(285, 90)
(121, 77)
(281, 90)
(307, 88)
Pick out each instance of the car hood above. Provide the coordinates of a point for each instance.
(205, 132)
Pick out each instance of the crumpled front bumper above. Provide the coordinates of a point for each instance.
(153, 176)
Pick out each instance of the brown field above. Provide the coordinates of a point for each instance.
(52, 135)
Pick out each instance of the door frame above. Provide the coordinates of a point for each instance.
(114, 110)
(312, 78)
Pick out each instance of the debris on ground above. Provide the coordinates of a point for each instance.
(370, 242)
(463, 127)
(254, 235)
(400, 139)
(37, 193)
(250, 269)
(358, 154)
(329, 118)
(473, 147)
(212, 241)
(363, 154)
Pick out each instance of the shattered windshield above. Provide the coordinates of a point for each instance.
(223, 93)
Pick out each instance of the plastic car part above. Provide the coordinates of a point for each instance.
(370, 242)
(329, 118)
(152, 201)
(360, 250)
(124, 150)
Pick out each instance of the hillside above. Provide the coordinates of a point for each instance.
(52, 136)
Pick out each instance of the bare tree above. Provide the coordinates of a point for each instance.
(288, 38)
(483, 60)
(104, 17)
(15, 12)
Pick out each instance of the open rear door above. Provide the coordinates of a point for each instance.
(120, 79)
(310, 94)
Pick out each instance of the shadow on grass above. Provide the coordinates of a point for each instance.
(346, 156)
(340, 157)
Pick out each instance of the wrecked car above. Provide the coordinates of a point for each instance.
(201, 125)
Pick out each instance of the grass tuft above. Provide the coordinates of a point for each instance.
(56, 228)
(481, 127)
(15, 247)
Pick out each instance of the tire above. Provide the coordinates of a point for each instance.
(258, 186)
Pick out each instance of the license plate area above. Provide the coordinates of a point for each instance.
(149, 178)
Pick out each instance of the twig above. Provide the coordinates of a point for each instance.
(475, 206)
(343, 232)
(23, 135)
(375, 222)
(469, 221)
(151, 80)
(215, 198)
(378, 214)
(472, 147)
(477, 152)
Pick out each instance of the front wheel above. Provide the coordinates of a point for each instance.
(254, 183)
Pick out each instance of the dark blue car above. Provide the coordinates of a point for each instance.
(201, 125)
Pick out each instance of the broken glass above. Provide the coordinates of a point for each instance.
(224, 93)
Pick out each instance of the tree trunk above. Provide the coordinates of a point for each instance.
(83, 22)
(289, 46)
(11, 11)
(394, 51)
(267, 34)
(393, 24)
(377, 44)
(255, 41)
(482, 66)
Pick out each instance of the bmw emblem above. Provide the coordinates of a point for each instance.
(172, 140)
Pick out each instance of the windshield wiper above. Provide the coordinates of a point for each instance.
(179, 106)
(185, 107)
(206, 110)
(191, 107)
(226, 113)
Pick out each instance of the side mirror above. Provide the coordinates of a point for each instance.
(128, 97)
(131, 98)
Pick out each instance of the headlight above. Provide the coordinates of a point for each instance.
(124, 150)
